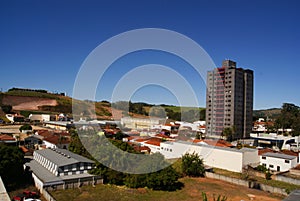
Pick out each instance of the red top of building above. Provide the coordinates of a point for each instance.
(267, 150)
(5, 137)
(218, 143)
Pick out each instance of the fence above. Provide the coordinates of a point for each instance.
(249, 184)
(47, 195)
(287, 179)
(75, 183)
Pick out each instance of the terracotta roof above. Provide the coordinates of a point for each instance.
(55, 140)
(24, 149)
(5, 137)
(152, 142)
(141, 140)
(144, 148)
(218, 143)
(268, 150)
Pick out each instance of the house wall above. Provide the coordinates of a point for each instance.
(251, 157)
(215, 157)
(272, 163)
(38, 183)
(220, 158)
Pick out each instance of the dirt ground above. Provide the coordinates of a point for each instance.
(231, 191)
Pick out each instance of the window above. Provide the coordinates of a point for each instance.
(170, 150)
(265, 165)
(286, 161)
(263, 157)
(271, 166)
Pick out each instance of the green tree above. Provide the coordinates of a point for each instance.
(25, 127)
(76, 145)
(192, 165)
(165, 179)
(228, 133)
(288, 117)
(6, 108)
(11, 166)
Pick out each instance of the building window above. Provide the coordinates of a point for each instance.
(286, 161)
(263, 157)
(265, 165)
(271, 166)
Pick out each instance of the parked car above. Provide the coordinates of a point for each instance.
(31, 199)
(18, 198)
(30, 194)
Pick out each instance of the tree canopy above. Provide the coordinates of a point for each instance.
(11, 166)
(192, 165)
(25, 127)
(289, 118)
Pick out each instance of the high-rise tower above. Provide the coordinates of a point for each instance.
(229, 100)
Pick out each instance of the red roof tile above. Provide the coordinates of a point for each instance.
(5, 137)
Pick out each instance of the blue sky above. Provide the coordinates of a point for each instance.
(44, 43)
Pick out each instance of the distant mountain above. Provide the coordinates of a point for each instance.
(40, 101)
(272, 113)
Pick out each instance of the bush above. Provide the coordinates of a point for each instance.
(268, 175)
(25, 127)
(192, 165)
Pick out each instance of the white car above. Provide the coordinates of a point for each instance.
(31, 199)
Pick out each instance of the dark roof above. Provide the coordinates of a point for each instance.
(50, 179)
(277, 155)
(62, 157)
(293, 196)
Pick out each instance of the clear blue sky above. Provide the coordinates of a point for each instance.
(44, 43)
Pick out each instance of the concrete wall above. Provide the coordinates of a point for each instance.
(286, 179)
(248, 184)
(3, 193)
(251, 157)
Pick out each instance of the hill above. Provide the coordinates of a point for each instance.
(272, 113)
(26, 102)
(41, 101)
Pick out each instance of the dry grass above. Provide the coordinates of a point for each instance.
(191, 192)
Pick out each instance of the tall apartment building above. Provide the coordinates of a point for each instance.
(229, 100)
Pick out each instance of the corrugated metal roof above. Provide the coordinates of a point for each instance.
(60, 156)
(50, 179)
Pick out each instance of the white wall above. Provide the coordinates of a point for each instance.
(251, 157)
(224, 158)
(220, 158)
(278, 162)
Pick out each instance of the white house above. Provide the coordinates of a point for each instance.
(278, 162)
(39, 117)
(220, 157)
(58, 167)
(140, 123)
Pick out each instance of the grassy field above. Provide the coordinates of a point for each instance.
(192, 191)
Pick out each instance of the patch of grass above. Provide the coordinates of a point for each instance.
(192, 191)
(279, 184)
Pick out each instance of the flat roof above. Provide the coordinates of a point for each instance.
(243, 150)
(59, 123)
(278, 155)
